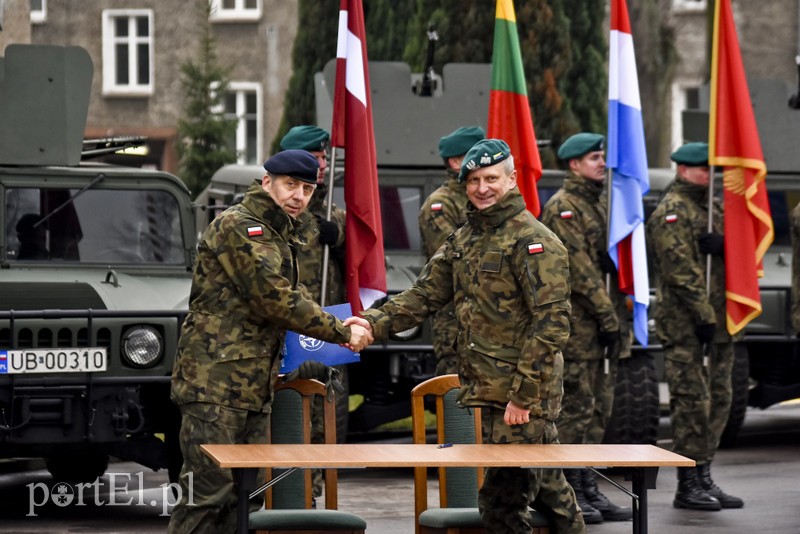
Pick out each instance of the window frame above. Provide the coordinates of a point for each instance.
(39, 16)
(239, 13)
(110, 40)
(689, 5)
(241, 89)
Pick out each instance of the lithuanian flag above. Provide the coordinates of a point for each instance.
(733, 143)
(509, 110)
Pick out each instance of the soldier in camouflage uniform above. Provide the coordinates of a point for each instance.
(577, 215)
(690, 322)
(508, 277)
(442, 213)
(243, 298)
(318, 232)
(795, 234)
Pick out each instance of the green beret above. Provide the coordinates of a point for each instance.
(298, 164)
(691, 154)
(311, 138)
(460, 141)
(580, 144)
(484, 153)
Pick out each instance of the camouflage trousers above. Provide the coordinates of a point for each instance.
(507, 493)
(213, 494)
(699, 397)
(588, 400)
(444, 328)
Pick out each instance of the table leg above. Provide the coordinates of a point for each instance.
(244, 480)
(643, 478)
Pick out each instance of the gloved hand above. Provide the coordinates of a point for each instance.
(314, 370)
(712, 244)
(328, 232)
(705, 332)
(610, 341)
(606, 263)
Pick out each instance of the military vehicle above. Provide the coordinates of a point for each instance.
(95, 273)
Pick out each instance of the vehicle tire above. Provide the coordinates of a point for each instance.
(634, 418)
(79, 466)
(343, 406)
(740, 383)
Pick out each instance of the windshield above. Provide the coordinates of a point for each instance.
(99, 226)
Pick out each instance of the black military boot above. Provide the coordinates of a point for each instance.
(725, 500)
(609, 510)
(590, 514)
(690, 494)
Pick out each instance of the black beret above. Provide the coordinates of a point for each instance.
(580, 144)
(691, 154)
(460, 141)
(311, 138)
(298, 164)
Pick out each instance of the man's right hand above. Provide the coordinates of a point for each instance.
(705, 332)
(609, 340)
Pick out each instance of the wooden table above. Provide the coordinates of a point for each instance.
(643, 462)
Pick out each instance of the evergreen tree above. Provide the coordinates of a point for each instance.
(203, 133)
(314, 46)
(586, 81)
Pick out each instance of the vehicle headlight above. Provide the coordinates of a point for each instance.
(405, 335)
(142, 346)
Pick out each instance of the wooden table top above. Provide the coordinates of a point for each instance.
(353, 455)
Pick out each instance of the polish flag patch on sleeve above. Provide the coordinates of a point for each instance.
(671, 218)
(535, 248)
(253, 231)
(566, 214)
(436, 207)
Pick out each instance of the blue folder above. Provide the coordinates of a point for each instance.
(299, 348)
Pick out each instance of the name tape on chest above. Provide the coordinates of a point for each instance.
(535, 248)
(253, 231)
(566, 214)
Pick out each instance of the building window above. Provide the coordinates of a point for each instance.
(687, 96)
(38, 11)
(242, 103)
(235, 10)
(128, 52)
(689, 5)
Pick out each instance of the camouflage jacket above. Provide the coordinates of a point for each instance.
(508, 276)
(243, 299)
(795, 233)
(442, 213)
(680, 268)
(309, 257)
(576, 214)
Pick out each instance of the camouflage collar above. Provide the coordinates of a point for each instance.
(451, 182)
(505, 208)
(695, 193)
(577, 185)
(264, 208)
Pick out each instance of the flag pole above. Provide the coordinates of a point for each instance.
(711, 172)
(606, 362)
(326, 251)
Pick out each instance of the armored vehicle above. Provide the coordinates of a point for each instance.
(95, 273)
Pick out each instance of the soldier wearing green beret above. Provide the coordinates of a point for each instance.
(318, 231)
(244, 297)
(442, 213)
(508, 278)
(690, 317)
(577, 215)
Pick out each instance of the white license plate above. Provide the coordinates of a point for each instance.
(77, 360)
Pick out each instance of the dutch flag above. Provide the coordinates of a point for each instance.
(627, 159)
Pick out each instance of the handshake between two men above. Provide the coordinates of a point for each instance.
(360, 333)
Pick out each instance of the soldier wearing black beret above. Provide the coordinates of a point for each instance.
(244, 297)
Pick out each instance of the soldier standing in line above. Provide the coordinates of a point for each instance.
(444, 211)
(508, 277)
(244, 297)
(317, 231)
(690, 322)
(577, 215)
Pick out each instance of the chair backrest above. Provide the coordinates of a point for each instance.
(290, 422)
(458, 487)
